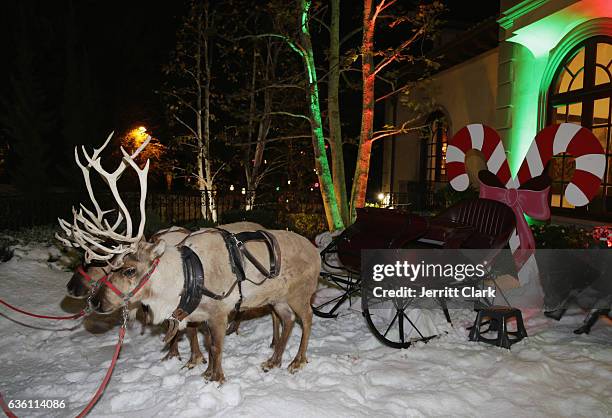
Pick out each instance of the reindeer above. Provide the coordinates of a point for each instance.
(289, 293)
(101, 241)
(85, 277)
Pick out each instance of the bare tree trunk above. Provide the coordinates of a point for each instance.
(330, 204)
(208, 179)
(254, 172)
(199, 127)
(335, 127)
(362, 168)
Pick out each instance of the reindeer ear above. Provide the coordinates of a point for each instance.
(159, 249)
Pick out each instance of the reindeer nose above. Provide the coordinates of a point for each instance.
(75, 286)
(95, 304)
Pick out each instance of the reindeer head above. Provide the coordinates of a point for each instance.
(104, 241)
(129, 280)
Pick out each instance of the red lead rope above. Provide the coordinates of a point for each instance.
(100, 390)
(75, 316)
(109, 372)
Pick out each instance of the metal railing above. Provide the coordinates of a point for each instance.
(18, 211)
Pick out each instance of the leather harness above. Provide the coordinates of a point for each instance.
(193, 272)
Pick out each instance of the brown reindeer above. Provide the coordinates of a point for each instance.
(289, 293)
(117, 243)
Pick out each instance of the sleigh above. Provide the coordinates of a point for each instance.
(471, 224)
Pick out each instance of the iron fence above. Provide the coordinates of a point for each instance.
(18, 211)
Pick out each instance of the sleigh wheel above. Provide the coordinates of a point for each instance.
(391, 324)
(338, 291)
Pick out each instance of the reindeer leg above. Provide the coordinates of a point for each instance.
(304, 312)
(208, 346)
(275, 329)
(196, 355)
(287, 319)
(173, 350)
(234, 324)
(217, 326)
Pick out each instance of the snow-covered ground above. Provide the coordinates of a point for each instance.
(552, 373)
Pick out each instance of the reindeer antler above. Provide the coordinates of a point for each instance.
(91, 231)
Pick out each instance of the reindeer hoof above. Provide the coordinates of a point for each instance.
(270, 364)
(296, 365)
(214, 376)
(194, 361)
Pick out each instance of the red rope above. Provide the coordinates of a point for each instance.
(5, 408)
(75, 316)
(100, 390)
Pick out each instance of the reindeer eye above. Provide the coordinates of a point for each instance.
(129, 272)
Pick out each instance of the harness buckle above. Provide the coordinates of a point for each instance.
(237, 242)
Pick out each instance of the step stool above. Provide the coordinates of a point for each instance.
(496, 317)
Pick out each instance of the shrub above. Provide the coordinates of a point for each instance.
(561, 236)
(306, 224)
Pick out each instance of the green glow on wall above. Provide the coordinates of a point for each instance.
(525, 92)
(532, 73)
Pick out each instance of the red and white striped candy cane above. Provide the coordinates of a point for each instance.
(553, 140)
(484, 139)
(580, 143)
(488, 141)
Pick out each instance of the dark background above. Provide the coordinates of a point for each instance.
(90, 67)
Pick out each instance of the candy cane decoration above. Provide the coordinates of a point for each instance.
(482, 138)
(553, 140)
(581, 144)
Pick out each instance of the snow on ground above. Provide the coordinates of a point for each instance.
(552, 373)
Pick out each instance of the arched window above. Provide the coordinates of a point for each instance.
(436, 138)
(582, 93)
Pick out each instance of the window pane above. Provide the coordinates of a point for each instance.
(602, 135)
(601, 75)
(601, 112)
(603, 59)
(574, 113)
(571, 77)
(558, 114)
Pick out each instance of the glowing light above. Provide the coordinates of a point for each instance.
(381, 196)
(142, 129)
(243, 191)
(277, 188)
(231, 187)
(288, 181)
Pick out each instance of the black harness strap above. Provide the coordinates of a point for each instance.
(235, 244)
(193, 271)
(273, 251)
(193, 285)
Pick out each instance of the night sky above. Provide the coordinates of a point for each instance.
(100, 63)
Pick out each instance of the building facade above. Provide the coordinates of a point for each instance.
(552, 63)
